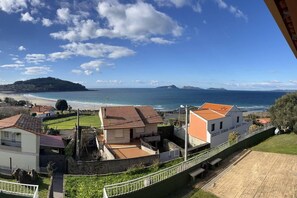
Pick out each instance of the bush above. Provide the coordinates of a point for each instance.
(135, 169)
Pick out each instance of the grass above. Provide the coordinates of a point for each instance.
(69, 122)
(92, 186)
(43, 183)
(202, 194)
(284, 143)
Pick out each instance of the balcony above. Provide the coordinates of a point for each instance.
(10, 145)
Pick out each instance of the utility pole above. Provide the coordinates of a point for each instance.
(186, 135)
(77, 137)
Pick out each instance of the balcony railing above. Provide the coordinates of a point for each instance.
(18, 189)
(11, 143)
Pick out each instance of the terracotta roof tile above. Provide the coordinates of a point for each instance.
(149, 115)
(41, 109)
(22, 121)
(208, 114)
(119, 117)
(220, 108)
(52, 141)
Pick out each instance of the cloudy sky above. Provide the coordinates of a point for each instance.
(234, 44)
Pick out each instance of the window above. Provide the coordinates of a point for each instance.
(212, 127)
(221, 125)
(237, 119)
(6, 135)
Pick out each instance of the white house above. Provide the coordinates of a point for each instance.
(212, 123)
(20, 142)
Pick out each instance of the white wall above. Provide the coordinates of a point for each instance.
(27, 157)
(230, 124)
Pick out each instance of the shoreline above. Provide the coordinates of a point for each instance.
(49, 102)
(88, 105)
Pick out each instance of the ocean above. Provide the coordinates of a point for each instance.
(167, 99)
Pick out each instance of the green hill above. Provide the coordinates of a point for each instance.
(43, 85)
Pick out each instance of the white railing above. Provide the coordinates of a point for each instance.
(13, 188)
(150, 179)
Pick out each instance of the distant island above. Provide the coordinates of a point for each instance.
(168, 87)
(191, 87)
(42, 85)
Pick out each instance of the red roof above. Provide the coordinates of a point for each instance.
(24, 122)
(122, 117)
(220, 108)
(41, 109)
(52, 141)
(208, 114)
(149, 115)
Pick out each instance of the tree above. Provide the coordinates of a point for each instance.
(233, 137)
(284, 112)
(61, 105)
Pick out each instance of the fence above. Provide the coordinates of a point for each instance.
(26, 190)
(130, 186)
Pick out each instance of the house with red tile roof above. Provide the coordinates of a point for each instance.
(42, 111)
(212, 123)
(20, 141)
(123, 126)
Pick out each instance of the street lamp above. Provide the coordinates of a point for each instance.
(186, 133)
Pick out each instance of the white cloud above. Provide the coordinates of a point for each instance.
(137, 21)
(222, 4)
(232, 9)
(15, 65)
(88, 72)
(46, 22)
(76, 71)
(11, 6)
(63, 15)
(60, 55)
(109, 81)
(38, 70)
(26, 17)
(35, 58)
(92, 65)
(93, 50)
(154, 82)
(161, 40)
(194, 4)
(83, 30)
(22, 48)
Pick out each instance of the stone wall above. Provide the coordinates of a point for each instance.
(108, 166)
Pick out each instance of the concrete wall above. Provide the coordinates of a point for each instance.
(117, 136)
(108, 166)
(108, 154)
(137, 132)
(151, 129)
(26, 157)
(179, 181)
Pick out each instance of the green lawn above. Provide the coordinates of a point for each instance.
(202, 194)
(284, 143)
(43, 183)
(69, 122)
(92, 186)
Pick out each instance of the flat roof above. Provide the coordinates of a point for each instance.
(129, 150)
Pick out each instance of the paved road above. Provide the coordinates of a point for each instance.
(58, 185)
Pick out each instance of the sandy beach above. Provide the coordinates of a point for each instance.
(42, 101)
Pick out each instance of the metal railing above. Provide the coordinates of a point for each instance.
(13, 188)
(150, 179)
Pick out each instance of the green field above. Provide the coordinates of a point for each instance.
(284, 143)
(43, 183)
(69, 122)
(92, 186)
(202, 194)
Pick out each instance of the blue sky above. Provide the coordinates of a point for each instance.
(234, 44)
